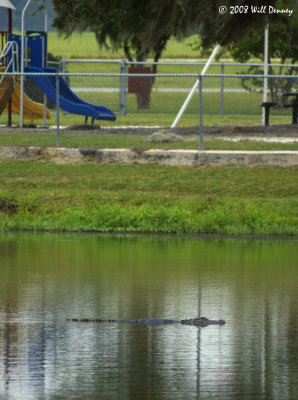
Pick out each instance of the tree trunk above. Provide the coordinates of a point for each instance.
(279, 86)
(143, 101)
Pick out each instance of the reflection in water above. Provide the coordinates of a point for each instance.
(252, 284)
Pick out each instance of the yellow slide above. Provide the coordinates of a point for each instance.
(32, 110)
(6, 91)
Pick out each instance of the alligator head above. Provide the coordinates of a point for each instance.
(202, 321)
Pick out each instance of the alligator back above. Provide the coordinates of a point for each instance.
(199, 322)
(151, 321)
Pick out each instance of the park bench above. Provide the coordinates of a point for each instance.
(267, 105)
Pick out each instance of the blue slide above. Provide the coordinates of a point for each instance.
(68, 100)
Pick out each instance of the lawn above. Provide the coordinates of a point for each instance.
(84, 45)
(238, 108)
(116, 141)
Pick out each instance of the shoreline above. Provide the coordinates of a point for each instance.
(202, 236)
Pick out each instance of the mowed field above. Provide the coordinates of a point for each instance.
(84, 45)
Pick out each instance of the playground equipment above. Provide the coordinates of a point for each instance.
(6, 90)
(50, 84)
(10, 91)
(6, 82)
(32, 46)
(10, 94)
(32, 109)
(68, 100)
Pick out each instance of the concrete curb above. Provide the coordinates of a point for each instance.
(165, 157)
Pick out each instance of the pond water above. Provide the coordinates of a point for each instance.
(250, 283)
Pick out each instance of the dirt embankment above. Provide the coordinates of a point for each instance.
(288, 130)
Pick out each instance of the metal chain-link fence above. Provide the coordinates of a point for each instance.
(144, 104)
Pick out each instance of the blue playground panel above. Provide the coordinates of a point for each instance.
(38, 45)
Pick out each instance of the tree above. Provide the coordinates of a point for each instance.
(140, 28)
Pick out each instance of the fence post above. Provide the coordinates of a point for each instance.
(201, 111)
(122, 87)
(62, 65)
(45, 105)
(58, 109)
(221, 89)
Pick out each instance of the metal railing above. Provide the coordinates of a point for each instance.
(14, 59)
(234, 105)
(123, 70)
(66, 61)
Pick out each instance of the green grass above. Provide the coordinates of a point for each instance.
(114, 141)
(160, 119)
(85, 46)
(239, 109)
(173, 68)
(43, 196)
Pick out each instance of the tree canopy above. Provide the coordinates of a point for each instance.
(140, 28)
(283, 33)
(143, 28)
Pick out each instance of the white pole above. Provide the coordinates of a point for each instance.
(265, 87)
(185, 104)
(22, 64)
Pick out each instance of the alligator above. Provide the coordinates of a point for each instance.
(199, 322)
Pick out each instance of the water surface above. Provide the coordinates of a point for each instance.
(252, 284)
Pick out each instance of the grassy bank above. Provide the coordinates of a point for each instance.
(43, 196)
